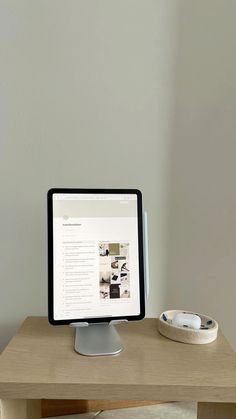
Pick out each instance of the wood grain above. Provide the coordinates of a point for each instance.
(40, 362)
(67, 407)
(216, 411)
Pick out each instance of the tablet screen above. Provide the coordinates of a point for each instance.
(96, 270)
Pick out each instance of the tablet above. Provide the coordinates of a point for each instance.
(95, 255)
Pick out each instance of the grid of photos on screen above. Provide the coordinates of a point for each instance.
(114, 273)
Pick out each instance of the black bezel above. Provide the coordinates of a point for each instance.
(50, 253)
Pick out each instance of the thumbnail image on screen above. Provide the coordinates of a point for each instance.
(114, 273)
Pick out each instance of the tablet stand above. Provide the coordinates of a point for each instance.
(92, 339)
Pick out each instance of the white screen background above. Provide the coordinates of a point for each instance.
(77, 260)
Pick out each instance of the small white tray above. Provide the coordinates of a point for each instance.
(188, 335)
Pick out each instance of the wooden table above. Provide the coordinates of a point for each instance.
(40, 362)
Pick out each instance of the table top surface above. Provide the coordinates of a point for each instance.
(40, 362)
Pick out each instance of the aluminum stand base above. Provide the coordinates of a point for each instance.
(97, 339)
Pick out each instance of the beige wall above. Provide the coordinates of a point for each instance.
(128, 93)
(201, 271)
(86, 98)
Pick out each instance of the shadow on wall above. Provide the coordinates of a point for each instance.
(5, 333)
(201, 264)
